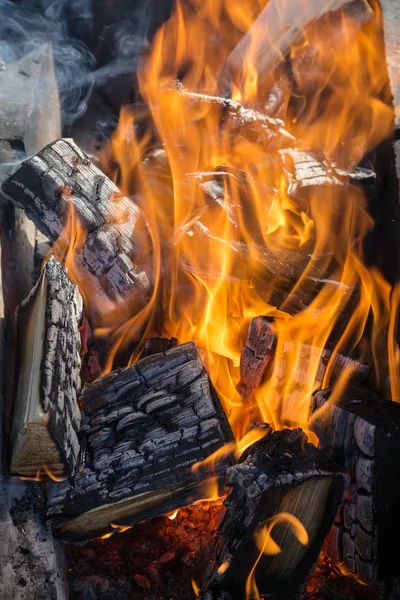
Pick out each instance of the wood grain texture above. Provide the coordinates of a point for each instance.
(144, 428)
(281, 473)
(61, 178)
(46, 416)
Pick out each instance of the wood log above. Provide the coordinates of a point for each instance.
(280, 474)
(362, 431)
(251, 124)
(46, 416)
(61, 176)
(277, 27)
(256, 355)
(306, 172)
(157, 345)
(144, 427)
(30, 106)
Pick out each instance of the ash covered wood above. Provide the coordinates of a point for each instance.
(251, 124)
(363, 434)
(305, 171)
(256, 355)
(61, 178)
(281, 473)
(144, 428)
(46, 416)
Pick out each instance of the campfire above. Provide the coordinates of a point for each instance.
(201, 348)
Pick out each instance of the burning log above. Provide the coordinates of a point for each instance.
(61, 176)
(260, 350)
(157, 345)
(282, 486)
(306, 171)
(252, 125)
(46, 416)
(256, 355)
(144, 428)
(278, 26)
(363, 433)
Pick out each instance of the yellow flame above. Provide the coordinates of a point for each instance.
(173, 515)
(250, 243)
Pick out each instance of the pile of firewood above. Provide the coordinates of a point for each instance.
(150, 438)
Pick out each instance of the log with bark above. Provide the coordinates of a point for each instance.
(362, 431)
(46, 416)
(144, 427)
(281, 486)
(60, 182)
(278, 26)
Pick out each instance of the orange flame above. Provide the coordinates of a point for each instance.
(230, 237)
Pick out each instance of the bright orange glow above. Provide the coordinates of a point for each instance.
(231, 234)
(196, 588)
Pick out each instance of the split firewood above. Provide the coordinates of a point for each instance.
(256, 355)
(362, 432)
(285, 494)
(30, 106)
(144, 428)
(305, 171)
(61, 178)
(277, 27)
(46, 416)
(251, 124)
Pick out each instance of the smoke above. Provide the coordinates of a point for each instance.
(26, 25)
(93, 41)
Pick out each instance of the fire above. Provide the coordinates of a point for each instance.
(226, 228)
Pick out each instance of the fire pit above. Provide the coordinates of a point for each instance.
(200, 265)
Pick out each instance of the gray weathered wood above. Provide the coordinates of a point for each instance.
(61, 178)
(305, 171)
(30, 107)
(144, 428)
(46, 416)
(363, 433)
(282, 473)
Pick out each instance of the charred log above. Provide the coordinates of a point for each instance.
(363, 434)
(157, 345)
(256, 355)
(46, 416)
(144, 428)
(280, 474)
(61, 176)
